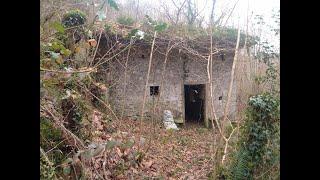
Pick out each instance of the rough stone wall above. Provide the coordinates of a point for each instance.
(221, 80)
(180, 70)
(136, 77)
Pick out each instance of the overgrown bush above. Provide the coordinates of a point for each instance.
(47, 171)
(258, 148)
(48, 134)
(74, 18)
(51, 140)
(230, 34)
(125, 20)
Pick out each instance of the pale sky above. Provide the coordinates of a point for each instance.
(263, 7)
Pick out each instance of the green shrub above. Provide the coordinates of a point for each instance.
(50, 138)
(48, 134)
(47, 171)
(74, 18)
(259, 139)
(231, 34)
(125, 20)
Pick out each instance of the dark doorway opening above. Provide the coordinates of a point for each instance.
(194, 103)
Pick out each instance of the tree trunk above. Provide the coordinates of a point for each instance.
(147, 79)
(226, 109)
(212, 11)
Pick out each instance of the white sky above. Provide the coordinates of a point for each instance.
(263, 7)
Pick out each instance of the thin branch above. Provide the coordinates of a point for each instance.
(64, 129)
(226, 146)
(69, 72)
(99, 64)
(230, 13)
(226, 109)
(147, 78)
(108, 106)
(97, 47)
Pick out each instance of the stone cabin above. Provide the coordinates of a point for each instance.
(185, 90)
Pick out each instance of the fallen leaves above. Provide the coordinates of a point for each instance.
(119, 157)
(173, 159)
(147, 164)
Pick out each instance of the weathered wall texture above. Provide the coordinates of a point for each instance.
(180, 70)
(197, 74)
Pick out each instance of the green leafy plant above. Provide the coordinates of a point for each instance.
(263, 115)
(125, 20)
(47, 171)
(74, 18)
(48, 133)
(230, 34)
(158, 26)
(58, 27)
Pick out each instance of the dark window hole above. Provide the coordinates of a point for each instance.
(154, 90)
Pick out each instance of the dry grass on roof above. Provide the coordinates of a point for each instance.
(188, 40)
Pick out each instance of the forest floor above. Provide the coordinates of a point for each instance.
(182, 154)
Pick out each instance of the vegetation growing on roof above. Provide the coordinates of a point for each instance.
(228, 34)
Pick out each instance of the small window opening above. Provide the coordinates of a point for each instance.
(154, 90)
(222, 56)
(220, 98)
(142, 56)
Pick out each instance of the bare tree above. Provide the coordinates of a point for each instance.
(175, 16)
(234, 6)
(226, 109)
(191, 12)
(212, 11)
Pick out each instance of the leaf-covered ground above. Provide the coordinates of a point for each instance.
(183, 154)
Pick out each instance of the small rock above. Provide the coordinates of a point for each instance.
(168, 120)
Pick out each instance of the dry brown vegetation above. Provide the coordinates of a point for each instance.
(81, 134)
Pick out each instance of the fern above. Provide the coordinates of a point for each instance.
(258, 146)
(239, 168)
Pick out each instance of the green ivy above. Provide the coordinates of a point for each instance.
(260, 127)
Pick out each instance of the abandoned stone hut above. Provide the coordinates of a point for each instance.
(183, 87)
